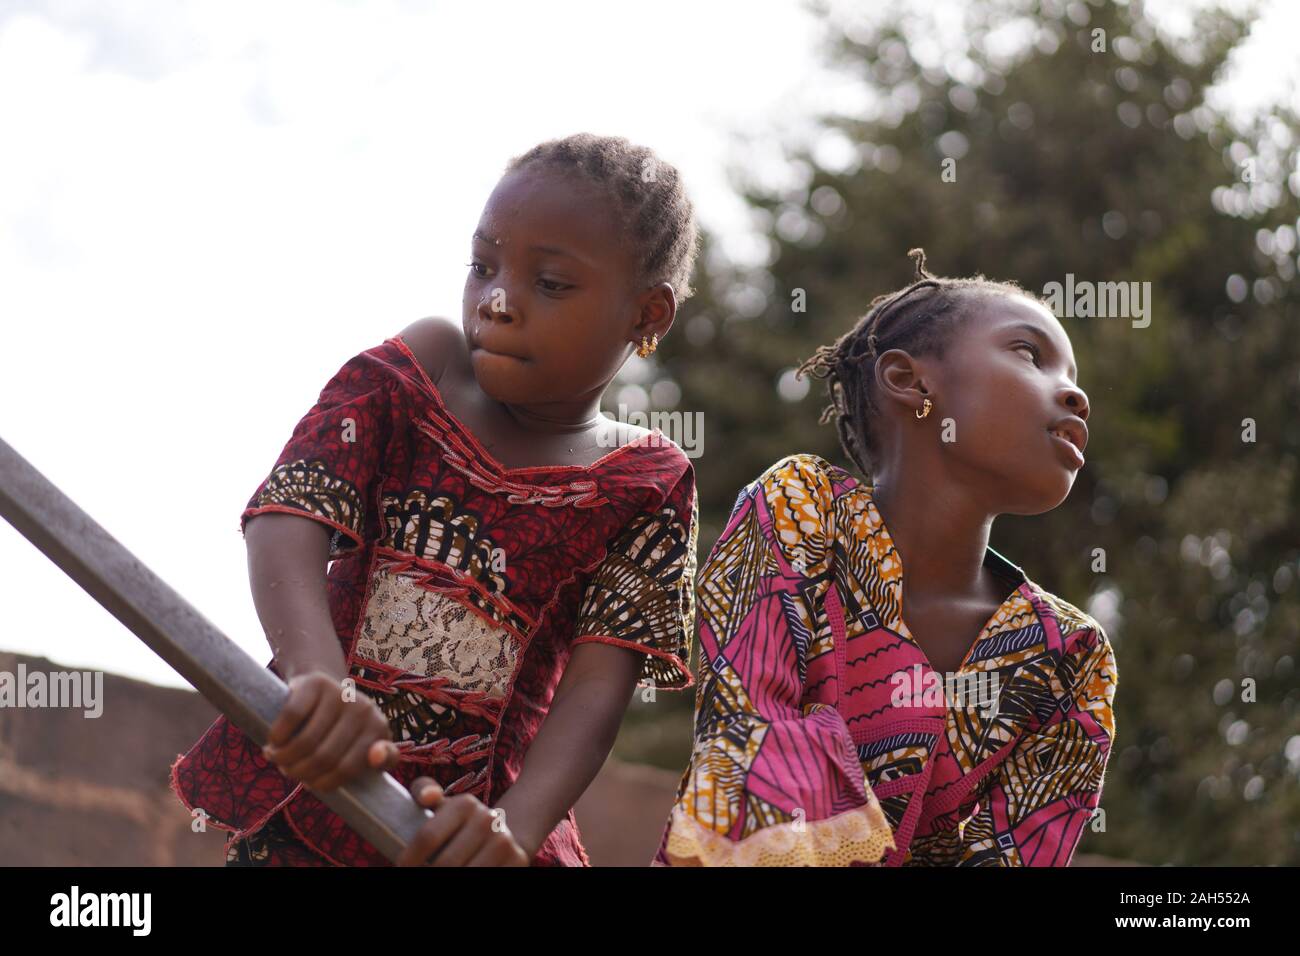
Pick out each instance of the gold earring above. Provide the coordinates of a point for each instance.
(647, 346)
(922, 414)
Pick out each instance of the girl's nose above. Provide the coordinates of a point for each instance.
(1076, 400)
(496, 307)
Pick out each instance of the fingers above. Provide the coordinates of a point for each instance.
(499, 851)
(430, 837)
(364, 754)
(331, 742)
(426, 792)
(492, 853)
(297, 707)
(308, 737)
(338, 759)
(473, 834)
(461, 833)
(383, 755)
(327, 753)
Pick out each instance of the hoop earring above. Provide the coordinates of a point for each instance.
(921, 414)
(647, 346)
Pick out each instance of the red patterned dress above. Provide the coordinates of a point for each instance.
(458, 588)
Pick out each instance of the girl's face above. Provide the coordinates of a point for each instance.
(550, 311)
(1009, 384)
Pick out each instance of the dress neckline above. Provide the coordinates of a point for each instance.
(995, 562)
(486, 456)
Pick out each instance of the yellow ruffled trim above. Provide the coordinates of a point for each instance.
(860, 835)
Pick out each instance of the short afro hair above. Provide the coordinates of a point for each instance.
(649, 196)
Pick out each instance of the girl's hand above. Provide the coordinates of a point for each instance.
(463, 832)
(325, 738)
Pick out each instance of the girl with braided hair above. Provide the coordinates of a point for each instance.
(507, 561)
(878, 685)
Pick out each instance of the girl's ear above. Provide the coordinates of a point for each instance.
(899, 378)
(656, 311)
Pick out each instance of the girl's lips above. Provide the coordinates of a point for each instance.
(475, 339)
(1069, 449)
(476, 347)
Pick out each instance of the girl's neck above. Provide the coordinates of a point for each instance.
(556, 418)
(941, 535)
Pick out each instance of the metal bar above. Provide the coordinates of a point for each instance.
(375, 805)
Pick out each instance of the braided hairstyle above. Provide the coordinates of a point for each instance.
(920, 319)
(647, 192)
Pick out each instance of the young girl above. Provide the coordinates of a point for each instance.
(506, 560)
(837, 723)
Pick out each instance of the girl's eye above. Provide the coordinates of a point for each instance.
(552, 286)
(1033, 350)
(476, 266)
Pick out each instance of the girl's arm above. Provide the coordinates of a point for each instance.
(323, 735)
(772, 780)
(311, 507)
(573, 742)
(286, 572)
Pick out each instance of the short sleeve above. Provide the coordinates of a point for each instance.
(642, 594)
(1049, 786)
(773, 779)
(330, 465)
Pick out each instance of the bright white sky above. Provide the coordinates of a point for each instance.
(206, 207)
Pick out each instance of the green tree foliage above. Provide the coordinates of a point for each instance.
(1080, 140)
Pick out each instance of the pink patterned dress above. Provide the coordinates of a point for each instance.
(824, 737)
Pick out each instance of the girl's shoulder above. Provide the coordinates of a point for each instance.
(796, 498)
(1087, 670)
(620, 433)
(1069, 619)
(412, 360)
(437, 344)
(647, 453)
(805, 475)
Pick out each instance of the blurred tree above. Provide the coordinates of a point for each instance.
(1082, 142)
